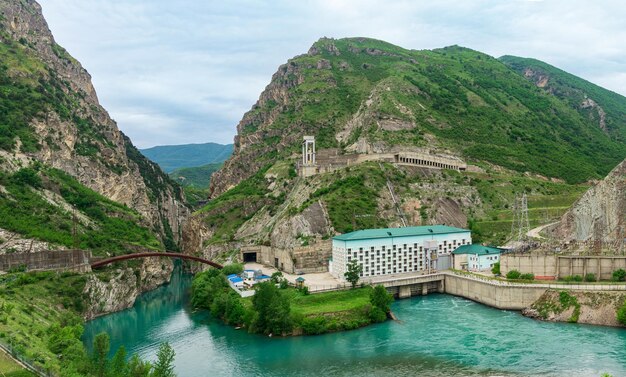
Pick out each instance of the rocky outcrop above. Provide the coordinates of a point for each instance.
(87, 143)
(595, 308)
(11, 242)
(600, 214)
(112, 291)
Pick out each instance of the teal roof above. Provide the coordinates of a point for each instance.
(428, 230)
(476, 249)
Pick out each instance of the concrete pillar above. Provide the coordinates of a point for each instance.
(424, 289)
(404, 291)
(441, 288)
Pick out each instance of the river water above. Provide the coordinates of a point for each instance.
(436, 335)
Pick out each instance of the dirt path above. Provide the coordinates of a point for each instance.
(535, 232)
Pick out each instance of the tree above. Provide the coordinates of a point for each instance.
(99, 359)
(353, 274)
(138, 367)
(273, 310)
(233, 268)
(380, 298)
(496, 268)
(119, 367)
(165, 359)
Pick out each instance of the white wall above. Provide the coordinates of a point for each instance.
(393, 255)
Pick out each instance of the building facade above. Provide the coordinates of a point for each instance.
(476, 257)
(395, 250)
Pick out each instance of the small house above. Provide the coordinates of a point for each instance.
(476, 257)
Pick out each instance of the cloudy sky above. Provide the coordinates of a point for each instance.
(185, 71)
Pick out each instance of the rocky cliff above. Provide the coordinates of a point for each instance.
(62, 124)
(600, 214)
(595, 308)
(115, 290)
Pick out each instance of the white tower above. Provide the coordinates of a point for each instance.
(308, 151)
(309, 166)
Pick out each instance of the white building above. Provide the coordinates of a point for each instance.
(476, 257)
(395, 250)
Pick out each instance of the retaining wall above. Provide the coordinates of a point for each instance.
(551, 266)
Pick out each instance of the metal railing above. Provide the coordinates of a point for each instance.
(29, 364)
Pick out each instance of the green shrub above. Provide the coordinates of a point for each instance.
(513, 275)
(314, 325)
(621, 314)
(528, 276)
(619, 275)
(377, 314)
(496, 268)
(590, 277)
(577, 278)
(234, 268)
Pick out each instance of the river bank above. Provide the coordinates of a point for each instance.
(436, 335)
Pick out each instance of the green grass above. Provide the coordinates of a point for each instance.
(329, 302)
(30, 303)
(9, 368)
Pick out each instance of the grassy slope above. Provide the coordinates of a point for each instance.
(9, 368)
(30, 304)
(172, 157)
(110, 228)
(574, 91)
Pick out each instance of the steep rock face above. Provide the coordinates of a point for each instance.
(120, 291)
(600, 214)
(595, 308)
(79, 137)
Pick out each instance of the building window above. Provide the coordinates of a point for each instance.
(405, 246)
(383, 248)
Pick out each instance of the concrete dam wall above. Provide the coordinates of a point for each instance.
(511, 297)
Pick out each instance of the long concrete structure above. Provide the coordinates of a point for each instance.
(553, 266)
(495, 293)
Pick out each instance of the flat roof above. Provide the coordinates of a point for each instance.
(477, 249)
(427, 230)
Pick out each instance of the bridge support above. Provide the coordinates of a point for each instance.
(404, 291)
(441, 287)
(424, 289)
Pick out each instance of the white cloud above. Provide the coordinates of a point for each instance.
(186, 71)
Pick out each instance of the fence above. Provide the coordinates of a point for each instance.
(45, 260)
(27, 363)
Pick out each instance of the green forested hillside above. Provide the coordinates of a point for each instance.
(42, 203)
(172, 157)
(453, 97)
(574, 91)
(197, 177)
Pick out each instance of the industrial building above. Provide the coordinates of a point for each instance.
(397, 250)
(476, 257)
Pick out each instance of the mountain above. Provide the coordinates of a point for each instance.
(197, 177)
(64, 160)
(365, 101)
(364, 95)
(171, 157)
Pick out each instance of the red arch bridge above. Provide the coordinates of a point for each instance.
(103, 262)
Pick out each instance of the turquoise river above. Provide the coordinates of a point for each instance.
(436, 335)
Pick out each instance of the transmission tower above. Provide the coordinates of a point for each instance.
(520, 226)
